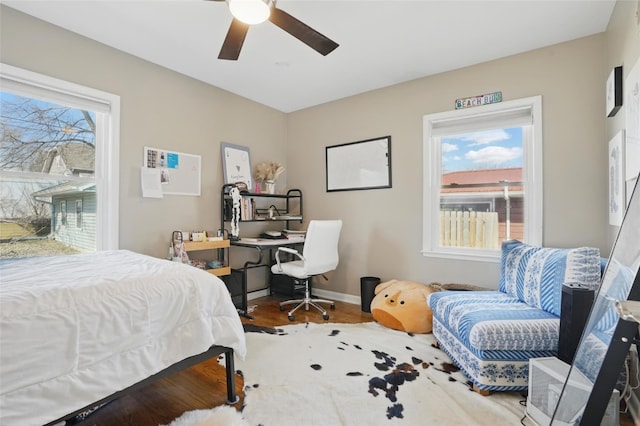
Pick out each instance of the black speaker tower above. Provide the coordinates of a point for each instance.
(575, 308)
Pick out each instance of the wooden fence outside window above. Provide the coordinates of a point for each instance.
(469, 229)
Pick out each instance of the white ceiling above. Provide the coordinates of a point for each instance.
(382, 42)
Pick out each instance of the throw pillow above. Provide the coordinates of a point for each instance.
(535, 275)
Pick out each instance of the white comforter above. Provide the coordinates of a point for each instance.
(74, 329)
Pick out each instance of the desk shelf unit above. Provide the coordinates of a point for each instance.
(222, 254)
(255, 207)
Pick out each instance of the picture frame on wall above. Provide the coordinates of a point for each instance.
(614, 91)
(617, 187)
(236, 164)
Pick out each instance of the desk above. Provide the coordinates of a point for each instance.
(259, 245)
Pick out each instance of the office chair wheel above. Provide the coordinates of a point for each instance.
(325, 317)
(281, 308)
(332, 307)
(291, 317)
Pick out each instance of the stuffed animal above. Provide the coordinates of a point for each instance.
(402, 305)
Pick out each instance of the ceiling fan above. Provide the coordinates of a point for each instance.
(250, 12)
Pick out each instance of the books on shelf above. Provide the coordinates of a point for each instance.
(294, 235)
(247, 208)
(293, 231)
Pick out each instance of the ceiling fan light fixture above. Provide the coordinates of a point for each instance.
(251, 11)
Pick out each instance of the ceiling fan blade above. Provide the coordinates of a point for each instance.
(233, 41)
(302, 32)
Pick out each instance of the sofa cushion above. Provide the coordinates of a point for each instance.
(535, 275)
(495, 321)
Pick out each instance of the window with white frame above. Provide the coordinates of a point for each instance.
(58, 139)
(79, 214)
(482, 179)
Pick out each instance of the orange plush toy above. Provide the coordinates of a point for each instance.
(402, 305)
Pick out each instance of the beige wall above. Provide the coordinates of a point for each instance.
(622, 48)
(160, 108)
(382, 228)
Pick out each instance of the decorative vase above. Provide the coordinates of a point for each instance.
(270, 186)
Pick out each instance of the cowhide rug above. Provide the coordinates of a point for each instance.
(222, 415)
(360, 374)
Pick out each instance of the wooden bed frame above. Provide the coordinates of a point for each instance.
(213, 351)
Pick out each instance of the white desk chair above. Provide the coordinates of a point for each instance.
(319, 255)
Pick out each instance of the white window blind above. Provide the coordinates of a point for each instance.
(64, 96)
(482, 121)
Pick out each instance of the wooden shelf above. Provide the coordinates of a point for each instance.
(205, 245)
(220, 272)
(190, 246)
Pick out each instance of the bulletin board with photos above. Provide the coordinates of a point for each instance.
(178, 173)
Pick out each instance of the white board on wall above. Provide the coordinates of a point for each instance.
(359, 165)
(179, 172)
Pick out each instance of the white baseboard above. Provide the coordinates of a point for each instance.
(338, 297)
(332, 295)
(256, 294)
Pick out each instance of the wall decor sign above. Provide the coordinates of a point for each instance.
(359, 165)
(473, 101)
(236, 164)
(614, 91)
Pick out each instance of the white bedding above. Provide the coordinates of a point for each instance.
(75, 329)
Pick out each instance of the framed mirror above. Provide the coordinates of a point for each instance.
(606, 338)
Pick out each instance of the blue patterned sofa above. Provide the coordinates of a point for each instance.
(491, 335)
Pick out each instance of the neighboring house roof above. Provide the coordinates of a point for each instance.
(67, 159)
(71, 159)
(66, 188)
(484, 180)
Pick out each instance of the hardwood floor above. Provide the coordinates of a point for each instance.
(204, 386)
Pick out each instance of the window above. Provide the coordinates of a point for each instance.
(79, 214)
(59, 141)
(482, 179)
(63, 212)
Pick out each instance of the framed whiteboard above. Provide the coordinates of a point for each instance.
(179, 173)
(359, 165)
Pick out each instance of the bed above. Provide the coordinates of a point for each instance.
(80, 329)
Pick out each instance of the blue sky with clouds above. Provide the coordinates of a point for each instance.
(489, 149)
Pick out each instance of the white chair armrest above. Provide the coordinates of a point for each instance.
(287, 250)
